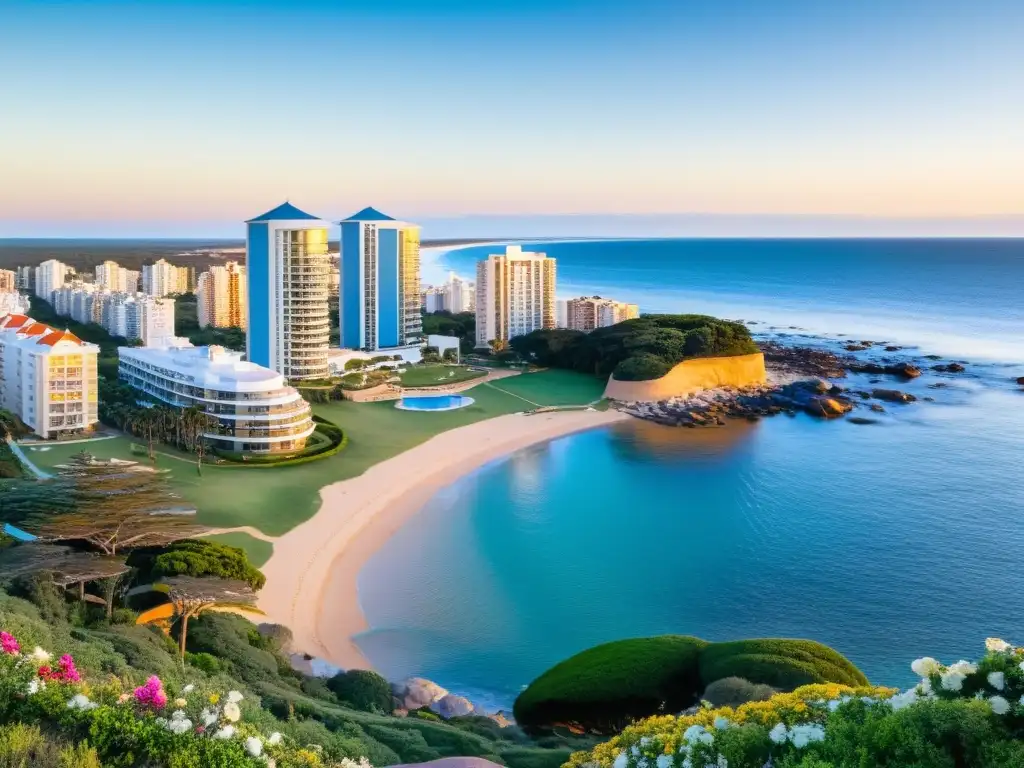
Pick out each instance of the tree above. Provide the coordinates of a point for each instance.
(113, 506)
(497, 345)
(192, 597)
(198, 558)
(68, 567)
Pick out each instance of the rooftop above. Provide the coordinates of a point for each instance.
(28, 332)
(213, 367)
(284, 212)
(369, 214)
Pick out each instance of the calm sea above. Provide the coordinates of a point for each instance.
(887, 541)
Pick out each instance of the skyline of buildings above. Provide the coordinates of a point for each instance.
(287, 270)
(48, 377)
(165, 279)
(589, 312)
(222, 296)
(113, 277)
(455, 295)
(515, 295)
(379, 300)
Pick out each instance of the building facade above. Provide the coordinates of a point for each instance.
(287, 266)
(221, 296)
(589, 312)
(164, 279)
(379, 301)
(8, 281)
(47, 377)
(433, 299)
(26, 279)
(459, 294)
(14, 303)
(515, 295)
(113, 277)
(256, 411)
(49, 277)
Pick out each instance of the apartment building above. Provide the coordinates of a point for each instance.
(589, 312)
(221, 296)
(515, 295)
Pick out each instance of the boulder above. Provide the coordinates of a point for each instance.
(827, 407)
(893, 395)
(855, 347)
(1020, 380)
(904, 369)
(451, 705)
(416, 693)
(949, 368)
(861, 420)
(893, 348)
(877, 408)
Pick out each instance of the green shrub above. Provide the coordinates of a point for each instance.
(641, 368)
(362, 689)
(23, 746)
(604, 688)
(408, 744)
(226, 636)
(782, 664)
(196, 557)
(123, 616)
(203, 662)
(733, 691)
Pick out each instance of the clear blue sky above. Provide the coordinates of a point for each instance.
(182, 118)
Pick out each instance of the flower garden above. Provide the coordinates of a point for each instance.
(149, 724)
(965, 714)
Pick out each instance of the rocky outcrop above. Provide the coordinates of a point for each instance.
(1020, 381)
(949, 368)
(906, 370)
(827, 407)
(690, 376)
(893, 395)
(451, 705)
(802, 361)
(416, 693)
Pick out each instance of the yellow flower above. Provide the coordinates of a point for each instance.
(214, 698)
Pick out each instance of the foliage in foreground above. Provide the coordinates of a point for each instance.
(636, 350)
(964, 714)
(604, 688)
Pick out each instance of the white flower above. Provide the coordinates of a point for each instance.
(924, 688)
(179, 714)
(687, 763)
(996, 645)
(33, 687)
(254, 746)
(621, 761)
(225, 733)
(664, 761)
(834, 705)
(999, 705)
(209, 717)
(234, 697)
(188, 688)
(635, 751)
(925, 667)
(275, 739)
(778, 734)
(694, 734)
(721, 723)
(645, 741)
(964, 667)
(901, 700)
(179, 725)
(952, 680)
(997, 680)
(1021, 666)
(642, 763)
(231, 712)
(81, 701)
(802, 735)
(40, 656)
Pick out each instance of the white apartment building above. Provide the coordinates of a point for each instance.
(164, 279)
(156, 321)
(13, 303)
(459, 294)
(256, 411)
(26, 279)
(47, 377)
(48, 277)
(221, 296)
(433, 299)
(589, 312)
(113, 277)
(515, 294)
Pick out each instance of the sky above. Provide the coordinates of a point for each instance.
(183, 119)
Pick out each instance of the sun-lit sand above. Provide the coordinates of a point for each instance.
(312, 576)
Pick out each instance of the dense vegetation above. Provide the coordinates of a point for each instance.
(636, 350)
(604, 688)
(444, 323)
(964, 715)
(195, 557)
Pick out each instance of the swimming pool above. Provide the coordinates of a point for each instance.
(434, 403)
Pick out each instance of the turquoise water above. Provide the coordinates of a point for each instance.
(887, 541)
(434, 403)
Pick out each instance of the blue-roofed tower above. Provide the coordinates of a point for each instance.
(379, 295)
(287, 270)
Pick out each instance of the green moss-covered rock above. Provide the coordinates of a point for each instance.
(604, 688)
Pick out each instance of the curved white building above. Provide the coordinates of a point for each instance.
(256, 411)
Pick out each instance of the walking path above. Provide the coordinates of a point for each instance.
(26, 462)
(30, 443)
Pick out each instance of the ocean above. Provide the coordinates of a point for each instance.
(887, 541)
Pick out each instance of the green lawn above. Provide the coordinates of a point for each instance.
(274, 500)
(436, 375)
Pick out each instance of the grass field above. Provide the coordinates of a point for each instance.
(274, 500)
(436, 375)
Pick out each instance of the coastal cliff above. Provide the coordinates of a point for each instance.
(691, 376)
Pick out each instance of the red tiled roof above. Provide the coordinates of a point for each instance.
(53, 337)
(36, 329)
(14, 321)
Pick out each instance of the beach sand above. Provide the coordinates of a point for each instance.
(312, 576)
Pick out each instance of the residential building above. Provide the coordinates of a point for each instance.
(334, 276)
(221, 296)
(164, 279)
(8, 281)
(286, 267)
(459, 294)
(47, 376)
(13, 303)
(515, 294)
(589, 312)
(113, 277)
(255, 409)
(26, 280)
(433, 299)
(156, 320)
(379, 300)
(561, 313)
(48, 277)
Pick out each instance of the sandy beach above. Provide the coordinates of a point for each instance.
(312, 576)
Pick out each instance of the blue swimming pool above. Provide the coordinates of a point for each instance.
(434, 403)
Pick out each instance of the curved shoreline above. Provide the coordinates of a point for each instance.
(313, 573)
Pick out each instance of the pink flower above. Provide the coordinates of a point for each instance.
(66, 672)
(152, 693)
(8, 644)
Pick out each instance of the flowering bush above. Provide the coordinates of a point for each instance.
(145, 726)
(959, 714)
